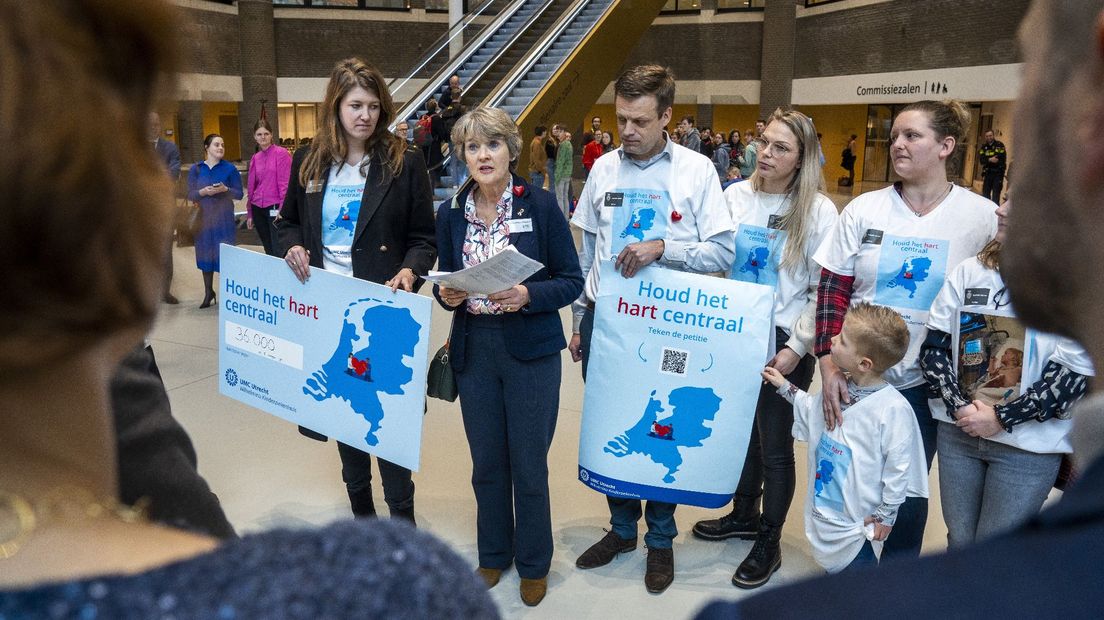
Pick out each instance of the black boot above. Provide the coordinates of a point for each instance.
(764, 559)
(406, 514)
(742, 522)
(362, 503)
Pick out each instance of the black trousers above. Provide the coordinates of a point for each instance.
(356, 472)
(992, 185)
(262, 223)
(769, 466)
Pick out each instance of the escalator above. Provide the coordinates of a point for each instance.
(543, 61)
(561, 78)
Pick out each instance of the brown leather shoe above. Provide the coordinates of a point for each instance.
(490, 576)
(533, 590)
(661, 570)
(603, 551)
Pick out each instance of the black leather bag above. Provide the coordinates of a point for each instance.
(440, 382)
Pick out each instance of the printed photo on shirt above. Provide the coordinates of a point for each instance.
(758, 252)
(992, 353)
(833, 459)
(910, 271)
(643, 217)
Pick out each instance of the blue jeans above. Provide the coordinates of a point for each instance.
(550, 170)
(509, 408)
(908, 533)
(986, 487)
(660, 517)
(864, 559)
(536, 179)
(625, 513)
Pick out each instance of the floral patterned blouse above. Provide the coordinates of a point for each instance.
(482, 242)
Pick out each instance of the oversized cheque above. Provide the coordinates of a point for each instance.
(672, 385)
(340, 356)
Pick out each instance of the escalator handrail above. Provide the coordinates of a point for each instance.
(415, 103)
(473, 44)
(537, 14)
(510, 82)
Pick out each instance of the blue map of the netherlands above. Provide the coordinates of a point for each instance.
(910, 271)
(642, 217)
(368, 361)
(757, 254)
(833, 459)
(661, 439)
(340, 211)
(640, 222)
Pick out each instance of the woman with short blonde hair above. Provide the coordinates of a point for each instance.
(505, 347)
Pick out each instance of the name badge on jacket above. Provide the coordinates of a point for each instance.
(522, 225)
(313, 187)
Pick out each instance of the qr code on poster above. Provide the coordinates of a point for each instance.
(674, 362)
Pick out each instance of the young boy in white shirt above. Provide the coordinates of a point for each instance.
(860, 471)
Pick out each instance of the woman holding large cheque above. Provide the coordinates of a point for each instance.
(505, 347)
(359, 204)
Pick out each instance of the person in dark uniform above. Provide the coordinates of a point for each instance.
(994, 159)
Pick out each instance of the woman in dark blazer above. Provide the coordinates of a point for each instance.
(505, 347)
(359, 203)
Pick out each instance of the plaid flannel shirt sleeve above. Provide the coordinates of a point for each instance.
(833, 299)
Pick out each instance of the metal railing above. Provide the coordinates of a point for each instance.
(467, 28)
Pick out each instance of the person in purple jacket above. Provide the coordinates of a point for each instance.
(269, 170)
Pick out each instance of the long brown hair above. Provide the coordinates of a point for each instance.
(330, 145)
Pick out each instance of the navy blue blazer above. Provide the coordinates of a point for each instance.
(535, 330)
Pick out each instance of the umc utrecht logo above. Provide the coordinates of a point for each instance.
(231, 377)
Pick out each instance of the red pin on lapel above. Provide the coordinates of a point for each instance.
(676, 216)
(519, 190)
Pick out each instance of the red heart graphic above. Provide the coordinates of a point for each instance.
(676, 216)
(519, 190)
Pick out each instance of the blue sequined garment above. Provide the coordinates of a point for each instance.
(353, 569)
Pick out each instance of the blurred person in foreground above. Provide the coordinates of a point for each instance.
(83, 296)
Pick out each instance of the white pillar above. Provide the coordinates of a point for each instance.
(456, 13)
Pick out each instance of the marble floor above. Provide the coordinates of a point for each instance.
(268, 476)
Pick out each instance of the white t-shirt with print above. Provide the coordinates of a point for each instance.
(340, 210)
(760, 245)
(676, 199)
(972, 287)
(875, 457)
(900, 260)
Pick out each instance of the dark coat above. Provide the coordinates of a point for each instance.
(394, 229)
(535, 330)
(155, 455)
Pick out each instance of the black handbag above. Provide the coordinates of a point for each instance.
(440, 382)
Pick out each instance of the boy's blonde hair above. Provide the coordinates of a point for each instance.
(878, 333)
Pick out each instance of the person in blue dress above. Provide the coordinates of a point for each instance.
(215, 184)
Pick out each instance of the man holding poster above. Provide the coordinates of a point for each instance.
(651, 201)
